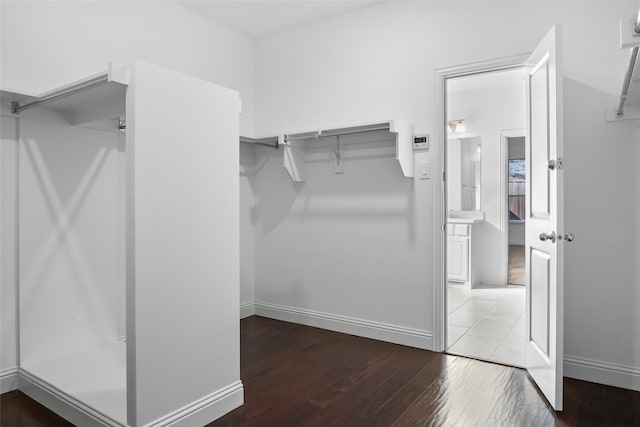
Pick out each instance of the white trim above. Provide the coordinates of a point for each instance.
(200, 412)
(247, 309)
(205, 410)
(602, 372)
(62, 403)
(8, 379)
(439, 201)
(439, 153)
(348, 325)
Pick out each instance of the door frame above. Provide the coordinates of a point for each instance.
(439, 337)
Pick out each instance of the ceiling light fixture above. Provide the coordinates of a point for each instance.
(457, 126)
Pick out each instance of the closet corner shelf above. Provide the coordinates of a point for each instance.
(294, 144)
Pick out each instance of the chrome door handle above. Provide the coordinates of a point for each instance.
(553, 164)
(544, 237)
(553, 236)
(566, 236)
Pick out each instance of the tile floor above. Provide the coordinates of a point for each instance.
(487, 323)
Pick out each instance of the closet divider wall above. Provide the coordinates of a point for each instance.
(183, 248)
(150, 224)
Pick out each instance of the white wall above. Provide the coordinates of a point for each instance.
(340, 244)
(379, 63)
(48, 44)
(8, 252)
(71, 239)
(247, 225)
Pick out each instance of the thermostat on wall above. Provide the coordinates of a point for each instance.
(421, 142)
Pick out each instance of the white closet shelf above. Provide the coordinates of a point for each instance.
(96, 100)
(295, 143)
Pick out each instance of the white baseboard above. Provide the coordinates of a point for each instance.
(348, 325)
(205, 410)
(247, 309)
(602, 372)
(8, 379)
(62, 403)
(198, 413)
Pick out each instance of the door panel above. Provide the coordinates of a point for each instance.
(544, 278)
(539, 80)
(539, 283)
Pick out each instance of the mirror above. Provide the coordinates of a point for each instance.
(464, 174)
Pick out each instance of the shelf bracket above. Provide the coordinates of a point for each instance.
(404, 145)
(337, 156)
(293, 158)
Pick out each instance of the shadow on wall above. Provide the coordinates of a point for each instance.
(600, 159)
(370, 191)
(70, 206)
(275, 192)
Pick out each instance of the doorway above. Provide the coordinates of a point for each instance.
(514, 143)
(485, 313)
(544, 238)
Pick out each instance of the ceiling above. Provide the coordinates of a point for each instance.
(259, 19)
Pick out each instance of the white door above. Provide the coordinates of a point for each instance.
(544, 221)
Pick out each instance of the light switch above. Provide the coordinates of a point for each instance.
(424, 170)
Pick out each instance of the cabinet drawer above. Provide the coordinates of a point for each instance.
(458, 259)
(462, 230)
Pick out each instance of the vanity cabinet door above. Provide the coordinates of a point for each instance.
(458, 259)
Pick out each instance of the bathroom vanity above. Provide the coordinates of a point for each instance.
(461, 261)
(464, 183)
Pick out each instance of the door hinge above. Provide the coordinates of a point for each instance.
(444, 176)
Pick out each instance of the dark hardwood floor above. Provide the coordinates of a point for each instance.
(18, 410)
(300, 376)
